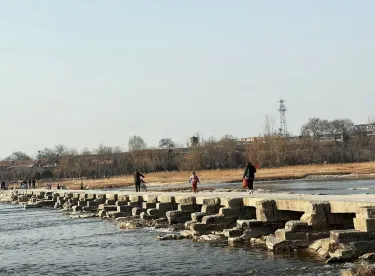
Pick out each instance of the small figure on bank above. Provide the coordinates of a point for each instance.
(29, 182)
(81, 186)
(33, 183)
(87, 187)
(249, 175)
(58, 187)
(137, 180)
(194, 180)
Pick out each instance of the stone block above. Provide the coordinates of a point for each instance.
(90, 208)
(207, 228)
(230, 212)
(134, 203)
(82, 203)
(110, 202)
(166, 199)
(287, 235)
(136, 211)
(216, 219)
(296, 226)
(246, 224)
(164, 206)
(99, 201)
(350, 235)
(283, 246)
(183, 200)
(232, 202)
(92, 204)
(135, 198)
(365, 212)
(210, 209)
(316, 214)
(109, 208)
(112, 196)
(145, 216)
(102, 213)
(148, 205)
(155, 212)
(209, 201)
(101, 196)
(265, 210)
(178, 219)
(189, 207)
(234, 232)
(76, 208)
(125, 209)
(116, 214)
(150, 198)
(197, 216)
(364, 224)
(91, 196)
(187, 224)
(121, 202)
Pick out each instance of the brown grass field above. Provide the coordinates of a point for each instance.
(235, 175)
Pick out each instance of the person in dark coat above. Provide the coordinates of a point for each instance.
(249, 175)
(33, 182)
(137, 180)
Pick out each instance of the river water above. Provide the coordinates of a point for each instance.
(46, 242)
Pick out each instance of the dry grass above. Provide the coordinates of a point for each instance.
(292, 172)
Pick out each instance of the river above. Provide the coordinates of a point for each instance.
(46, 242)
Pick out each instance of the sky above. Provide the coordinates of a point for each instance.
(82, 73)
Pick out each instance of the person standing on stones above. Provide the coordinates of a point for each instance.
(137, 180)
(29, 183)
(249, 175)
(33, 182)
(194, 180)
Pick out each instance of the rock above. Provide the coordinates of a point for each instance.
(209, 238)
(197, 216)
(234, 241)
(296, 225)
(234, 232)
(176, 227)
(170, 237)
(188, 234)
(320, 247)
(370, 257)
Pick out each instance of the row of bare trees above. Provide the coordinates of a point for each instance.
(320, 141)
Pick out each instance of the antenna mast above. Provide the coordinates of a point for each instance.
(283, 130)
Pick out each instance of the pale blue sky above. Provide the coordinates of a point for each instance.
(81, 73)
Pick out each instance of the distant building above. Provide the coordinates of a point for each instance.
(365, 129)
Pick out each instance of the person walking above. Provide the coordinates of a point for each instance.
(249, 175)
(137, 180)
(194, 180)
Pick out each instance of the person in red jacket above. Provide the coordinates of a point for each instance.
(194, 180)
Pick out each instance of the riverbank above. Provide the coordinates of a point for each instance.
(329, 171)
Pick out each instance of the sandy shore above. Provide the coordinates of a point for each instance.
(330, 171)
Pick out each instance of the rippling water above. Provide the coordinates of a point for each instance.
(45, 242)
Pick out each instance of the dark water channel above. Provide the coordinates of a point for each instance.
(45, 242)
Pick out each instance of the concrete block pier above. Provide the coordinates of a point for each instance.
(336, 228)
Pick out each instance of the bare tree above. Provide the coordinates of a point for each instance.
(136, 143)
(166, 143)
(18, 156)
(315, 127)
(269, 126)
